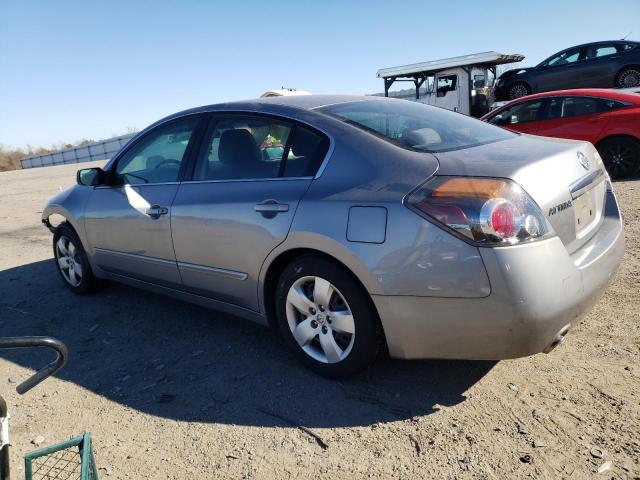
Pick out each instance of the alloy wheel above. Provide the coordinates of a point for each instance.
(68, 261)
(320, 319)
(619, 160)
(629, 78)
(517, 91)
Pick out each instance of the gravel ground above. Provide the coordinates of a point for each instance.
(170, 390)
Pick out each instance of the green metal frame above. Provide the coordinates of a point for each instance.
(88, 469)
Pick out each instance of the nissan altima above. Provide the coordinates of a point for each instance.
(353, 225)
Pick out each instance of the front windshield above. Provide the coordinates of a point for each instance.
(416, 126)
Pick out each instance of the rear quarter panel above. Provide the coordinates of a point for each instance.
(416, 256)
(624, 121)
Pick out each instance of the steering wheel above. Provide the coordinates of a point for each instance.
(168, 161)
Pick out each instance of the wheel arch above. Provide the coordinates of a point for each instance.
(524, 81)
(279, 261)
(63, 216)
(616, 135)
(622, 69)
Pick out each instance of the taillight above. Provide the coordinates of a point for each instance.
(486, 211)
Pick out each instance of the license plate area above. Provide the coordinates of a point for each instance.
(584, 208)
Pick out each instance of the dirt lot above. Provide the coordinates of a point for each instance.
(170, 390)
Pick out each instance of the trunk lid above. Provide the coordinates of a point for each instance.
(565, 178)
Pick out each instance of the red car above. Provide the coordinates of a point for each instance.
(610, 119)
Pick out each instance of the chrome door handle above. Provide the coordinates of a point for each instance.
(154, 211)
(270, 208)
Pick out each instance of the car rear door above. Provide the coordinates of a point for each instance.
(599, 66)
(239, 202)
(575, 118)
(127, 222)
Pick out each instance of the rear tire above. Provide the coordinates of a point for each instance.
(519, 89)
(71, 261)
(629, 77)
(621, 156)
(337, 332)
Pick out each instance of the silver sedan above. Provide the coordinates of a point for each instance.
(353, 225)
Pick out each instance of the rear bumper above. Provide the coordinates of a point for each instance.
(537, 291)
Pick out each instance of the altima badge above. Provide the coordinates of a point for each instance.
(584, 161)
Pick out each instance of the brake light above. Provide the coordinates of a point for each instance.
(486, 211)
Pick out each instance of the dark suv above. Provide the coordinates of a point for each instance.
(601, 64)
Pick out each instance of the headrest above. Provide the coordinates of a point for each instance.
(238, 147)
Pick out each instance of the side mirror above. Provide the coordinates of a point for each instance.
(90, 177)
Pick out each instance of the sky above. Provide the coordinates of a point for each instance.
(90, 69)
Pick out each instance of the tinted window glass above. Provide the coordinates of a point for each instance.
(239, 147)
(308, 149)
(157, 157)
(554, 109)
(629, 46)
(521, 113)
(574, 106)
(569, 56)
(600, 51)
(416, 126)
(611, 104)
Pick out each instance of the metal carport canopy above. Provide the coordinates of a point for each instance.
(429, 68)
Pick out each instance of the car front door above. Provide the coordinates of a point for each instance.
(575, 118)
(560, 71)
(127, 221)
(238, 205)
(520, 117)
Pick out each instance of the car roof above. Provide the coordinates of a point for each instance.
(287, 106)
(631, 95)
(608, 42)
(301, 102)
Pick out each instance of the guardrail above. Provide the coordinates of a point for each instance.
(85, 153)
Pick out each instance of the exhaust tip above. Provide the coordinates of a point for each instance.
(557, 340)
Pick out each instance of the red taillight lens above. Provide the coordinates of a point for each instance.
(487, 211)
(501, 218)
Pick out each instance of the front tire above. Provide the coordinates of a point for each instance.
(326, 317)
(621, 156)
(71, 261)
(519, 89)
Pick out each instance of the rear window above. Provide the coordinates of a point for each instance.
(416, 126)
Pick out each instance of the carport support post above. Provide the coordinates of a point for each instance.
(387, 84)
(418, 83)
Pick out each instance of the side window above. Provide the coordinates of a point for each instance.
(242, 146)
(600, 51)
(569, 56)
(574, 106)
(554, 108)
(308, 149)
(628, 46)
(520, 113)
(157, 157)
(446, 84)
(606, 104)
